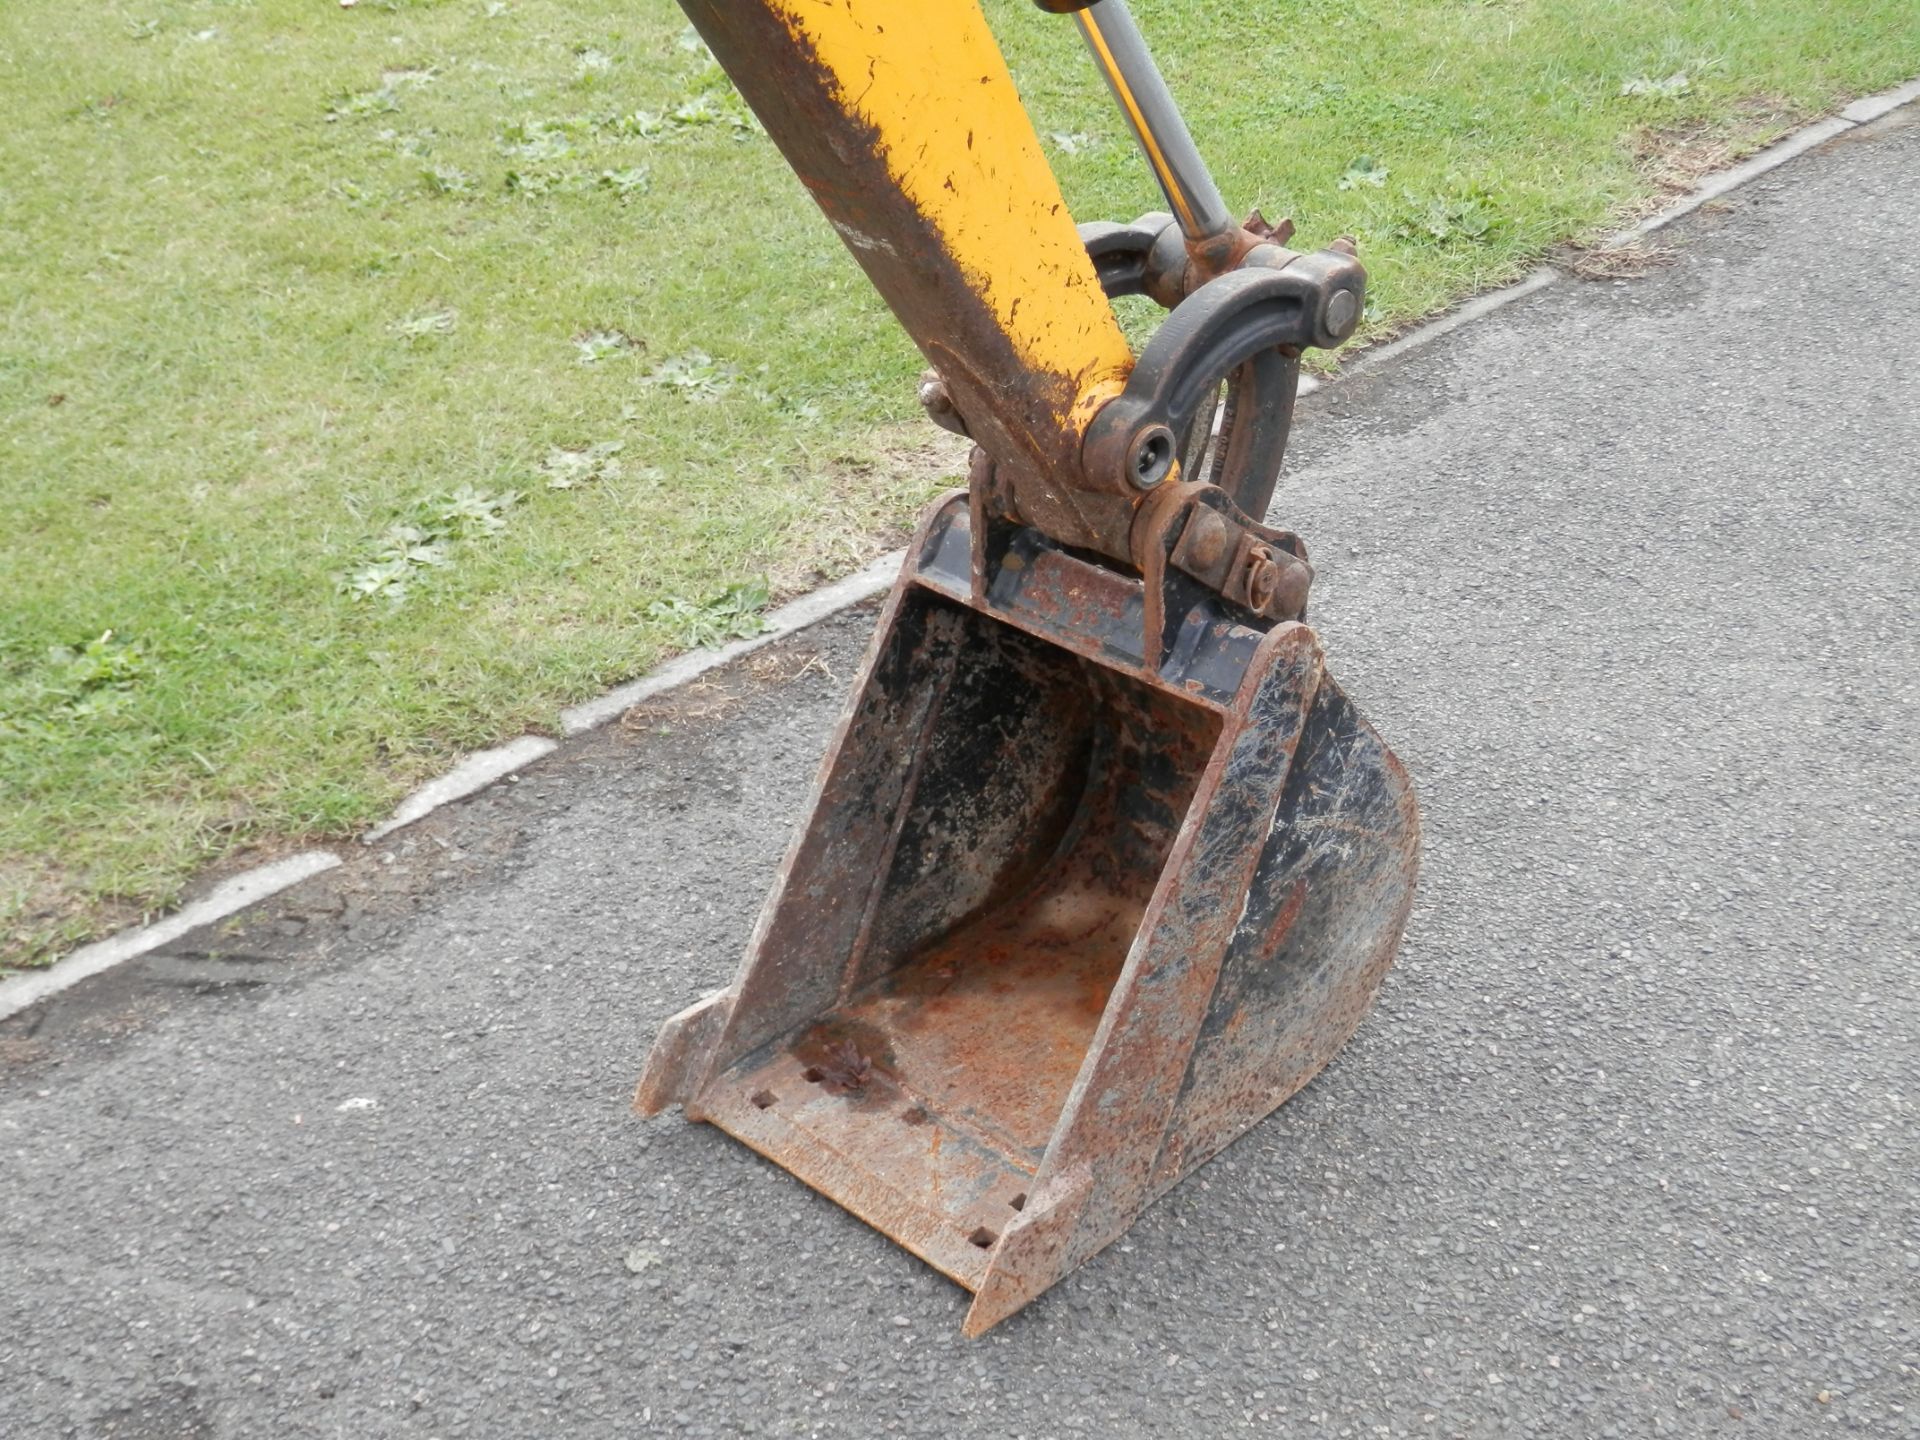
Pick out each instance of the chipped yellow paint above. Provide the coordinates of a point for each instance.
(929, 78)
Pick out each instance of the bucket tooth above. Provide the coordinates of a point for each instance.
(1059, 925)
(680, 1052)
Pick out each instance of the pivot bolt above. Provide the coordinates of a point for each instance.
(937, 401)
(1342, 311)
(1207, 537)
(1152, 459)
(1263, 578)
(1276, 585)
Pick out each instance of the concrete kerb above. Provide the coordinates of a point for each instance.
(797, 614)
(476, 771)
(1872, 107)
(235, 893)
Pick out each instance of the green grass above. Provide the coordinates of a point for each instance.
(375, 381)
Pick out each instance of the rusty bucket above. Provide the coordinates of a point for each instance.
(1060, 923)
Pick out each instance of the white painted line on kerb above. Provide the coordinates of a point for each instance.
(223, 900)
(814, 606)
(475, 772)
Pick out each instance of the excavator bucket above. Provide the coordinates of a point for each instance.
(1055, 930)
(1101, 865)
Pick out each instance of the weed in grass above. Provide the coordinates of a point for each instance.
(1072, 142)
(569, 469)
(1468, 217)
(1669, 87)
(733, 614)
(590, 64)
(415, 143)
(627, 183)
(541, 140)
(427, 326)
(396, 558)
(593, 346)
(102, 108)
(142, 29)
(354, 194)
(359, 104)
(695, 375)
(535, 183)
(75, 684)
(426, 541)
(467, 512)
(725, 112)
(802, 412)
(448, 180)
(103, 663)
(1364, 171)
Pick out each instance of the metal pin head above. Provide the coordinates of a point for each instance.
(1152, 457)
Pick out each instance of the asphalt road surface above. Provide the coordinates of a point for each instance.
(1631, 1146)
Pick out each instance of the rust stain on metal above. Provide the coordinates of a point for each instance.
(844, 1069)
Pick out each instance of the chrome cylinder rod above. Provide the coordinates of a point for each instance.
(1144, 100)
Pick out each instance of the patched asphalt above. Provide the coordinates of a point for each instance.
(1626, 573)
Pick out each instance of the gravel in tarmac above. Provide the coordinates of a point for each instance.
(1629, 1148)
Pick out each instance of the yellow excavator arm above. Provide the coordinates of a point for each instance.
(1101, 866)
